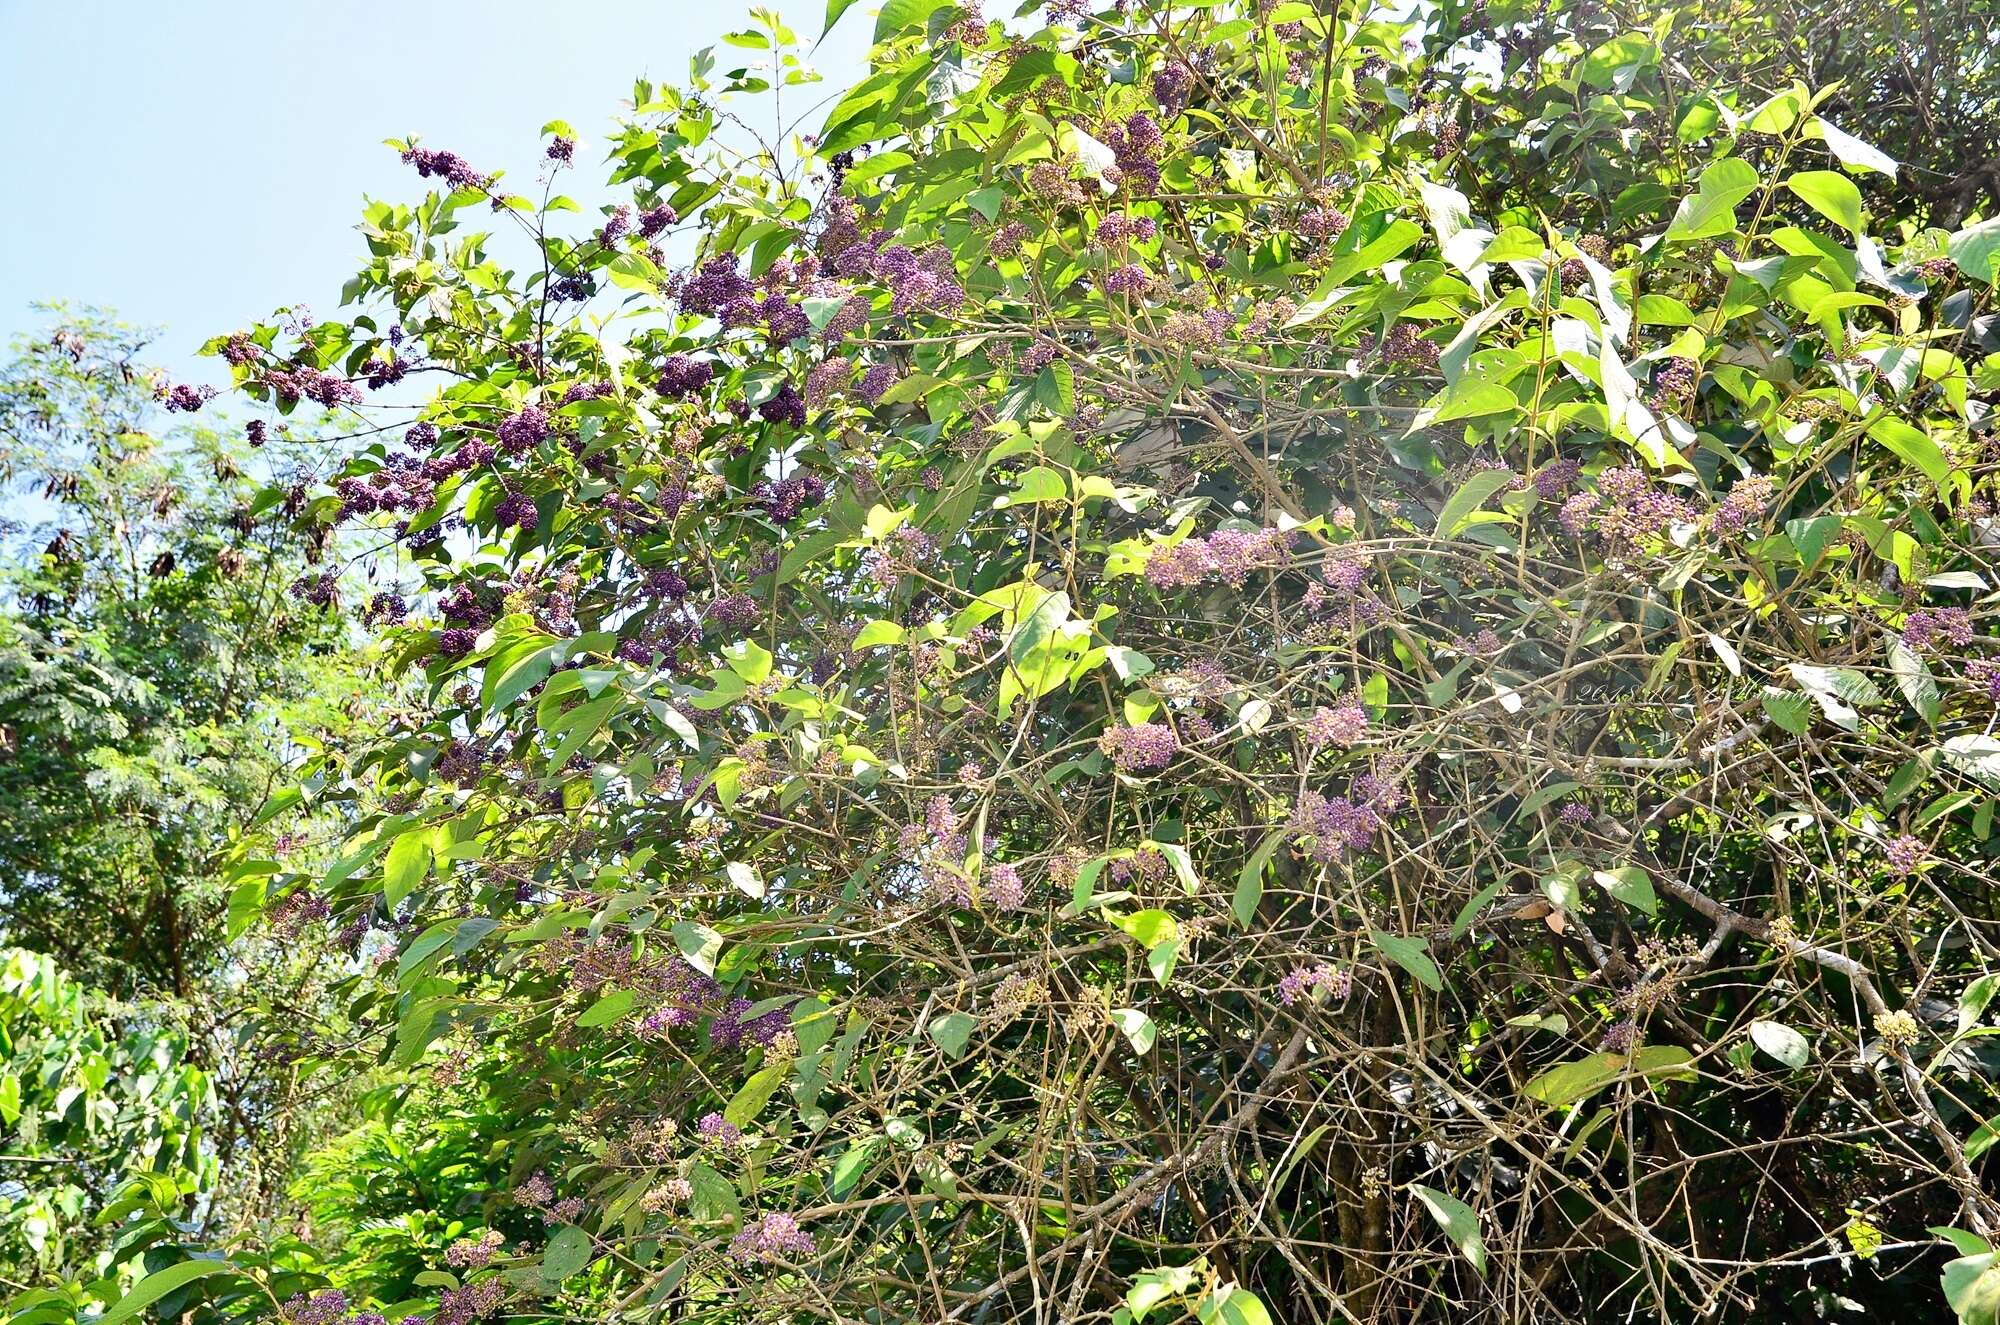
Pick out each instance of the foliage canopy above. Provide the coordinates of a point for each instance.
(1249, 661)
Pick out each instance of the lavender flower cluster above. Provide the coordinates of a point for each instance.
(775, 1237)
(1228, 555)
(1327, 827)
(1147, 747)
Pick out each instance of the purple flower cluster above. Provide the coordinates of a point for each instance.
(1620, 1037)
(785, 406)
(1322, 221)
(1228, 555)
(775, 1237)
(322, 1308)
(1329, 826)
(516, 510)
(1345, 725)
(1746, 502)
(581, 391)
(404, 484)
(1926, 626)
(827, 376)
(523, 430)
(1119, 228)
(185, 399)
(1172, 84)
(1673, 385)
(470, 1254)
(1904, 854)
(1128, 278)
(1405, 344)
(877, 381)
(682, 375)
(714, 286)
(456, 642)
(1575, 814)
(1145, 748)
(734, 611)
(656, 219)
(1987, 676)
(298, 382)
(475, 1301)
(321, 590)
(685, 995)
(919, 282)
(1299, 983)
(1630, 509)
(716, 1130)
(731, 1029)
(448, 166)
(785, 499)
(1556, 478)
(1196, 331)
(1003, 887)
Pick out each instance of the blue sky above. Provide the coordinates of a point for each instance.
(196, 164)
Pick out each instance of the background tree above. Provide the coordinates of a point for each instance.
(154, 668)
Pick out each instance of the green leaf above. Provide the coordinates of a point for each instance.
(699, 944)
(748, 1102)
(608, 1009)
(1788, 708)
(1230, 1305)
(1914, 679)
(1055, 389)
(1567, 1083)
(1831, 194)
(1972, 1003)
(1412, 954)
(877, 633)
(834, 9)
(896, 15)
(1250, 880)
(1779, 113)
(568, 1252)
(1851, 151)
(1138, 1028)
(1711, 210)
(1976, 250)
(1152, 1287)
(1977, 756)
(1038, 485)
(847, 1170)
(409, 860)
(158, 1284)
(749, 660)
(1471, 398)
(952, 1032)
(713, 1200)
(1810, 537)
(1457, 1220)
(1514, 244)
(1913, 445)
(1632, 886)
(1473, 493)
(744, 879)
(1781, 1042)
(1473, 906)
(1972, 1288)
(1616, 60)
